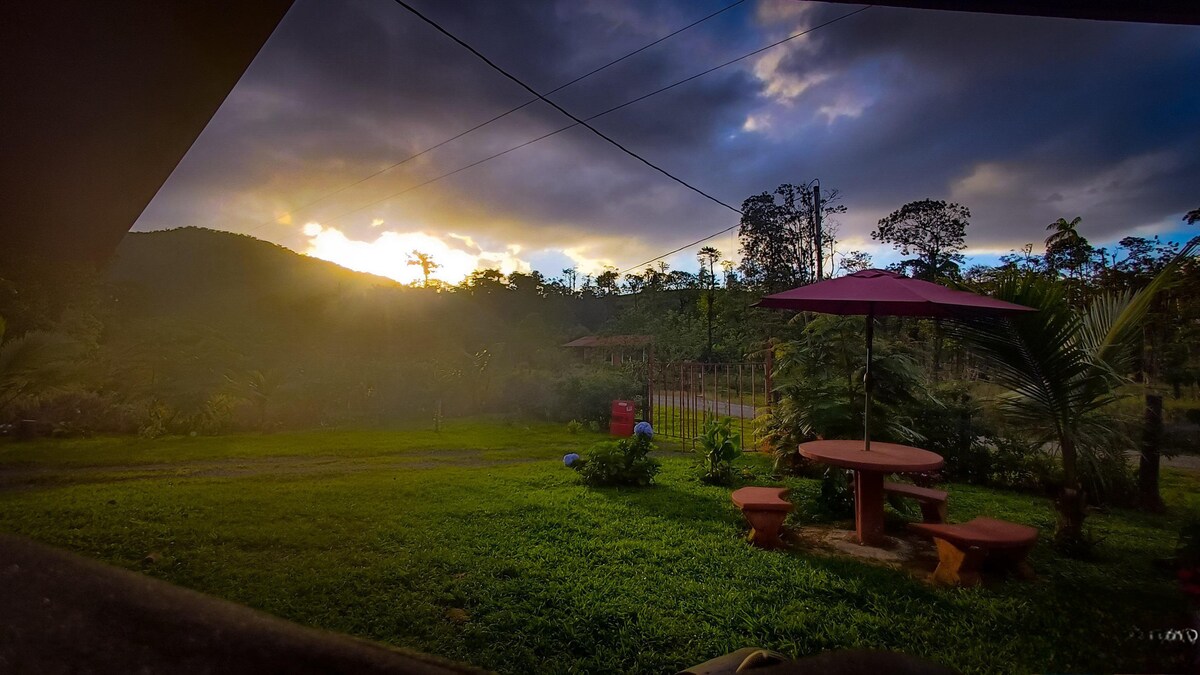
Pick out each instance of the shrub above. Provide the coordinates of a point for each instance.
(836, 499)
(574, 427)
(951, 424)
(587, 394)
(156, 422)
(531, 393)
(75, 412)
(584, 394)
(623, 462)
(216, 415)
(1108, 478)
(719, 446)
(1021, 464)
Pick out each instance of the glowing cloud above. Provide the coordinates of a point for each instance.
(782, 85)
(388, 254)
(587, 264)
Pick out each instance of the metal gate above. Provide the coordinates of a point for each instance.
(683, 396)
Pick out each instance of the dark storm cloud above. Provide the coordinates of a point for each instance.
(1056, 103)
(1024, 120)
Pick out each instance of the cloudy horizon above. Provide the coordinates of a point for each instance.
(1022, 120)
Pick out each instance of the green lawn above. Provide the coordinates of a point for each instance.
(386, 533)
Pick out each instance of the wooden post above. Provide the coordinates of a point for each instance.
(1148, 463)
(768, 366)
(650, 388)
(868, 383)
(817, 243)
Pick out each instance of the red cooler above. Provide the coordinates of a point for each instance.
(622, 420)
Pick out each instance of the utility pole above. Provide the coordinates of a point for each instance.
(817, 229)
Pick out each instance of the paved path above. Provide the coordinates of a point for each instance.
(1182, 462)
(676, 399)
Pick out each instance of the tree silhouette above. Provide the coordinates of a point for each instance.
(1067, 249)
(608, 282)
(425, 262)
(708, 256)
(855, 261)
(777, 236)
(1065, 233)
(933, 230)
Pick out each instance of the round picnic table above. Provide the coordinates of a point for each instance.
(870, 467)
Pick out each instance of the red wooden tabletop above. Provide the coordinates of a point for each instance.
(882, 457)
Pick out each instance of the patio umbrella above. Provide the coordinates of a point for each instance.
(880, 293)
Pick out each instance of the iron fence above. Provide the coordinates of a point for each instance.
(683, 396)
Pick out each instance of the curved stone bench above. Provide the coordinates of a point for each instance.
(765, 509)
(964, 548)
(932, 501)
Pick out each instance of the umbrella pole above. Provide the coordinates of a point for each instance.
(868, 383)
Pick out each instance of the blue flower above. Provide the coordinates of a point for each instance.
(643, 429)
(570, 458)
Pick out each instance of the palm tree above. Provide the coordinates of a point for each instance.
(709, 255)
(1066, 244)
(1065, 233)
(1062, 368)
(34, 361)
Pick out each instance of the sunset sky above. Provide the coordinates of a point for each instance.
(1023, 120)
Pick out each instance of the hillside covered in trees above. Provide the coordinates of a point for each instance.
(195, 330)
(199, 330)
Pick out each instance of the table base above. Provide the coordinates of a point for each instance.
(868, 507)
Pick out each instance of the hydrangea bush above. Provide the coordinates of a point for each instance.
(623, 462)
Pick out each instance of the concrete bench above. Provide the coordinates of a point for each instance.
(964, 549)
(933, 502)
(765, 509)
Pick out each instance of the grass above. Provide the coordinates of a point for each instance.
(385, 534)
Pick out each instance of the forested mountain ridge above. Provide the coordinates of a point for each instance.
(195, 329)
(215, 268)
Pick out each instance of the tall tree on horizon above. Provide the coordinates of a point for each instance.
(934, 230)
(1066, 249)
(425, 262)
(708, 256)
(777, 239)
(571, 275)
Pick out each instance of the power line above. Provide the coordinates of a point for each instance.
(562, 110)
(733, 61)
(597, 115)
(673, 252)
(499, 117)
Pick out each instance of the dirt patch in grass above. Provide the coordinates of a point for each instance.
(902, 551)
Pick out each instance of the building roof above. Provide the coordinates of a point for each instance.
(611, 341)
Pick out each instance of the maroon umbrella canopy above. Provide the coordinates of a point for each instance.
(881, 293)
